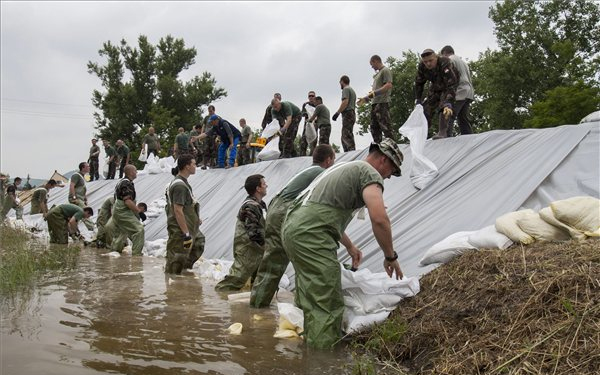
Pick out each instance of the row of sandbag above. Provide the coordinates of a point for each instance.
(575, 218)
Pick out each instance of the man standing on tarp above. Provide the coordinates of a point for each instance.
(151, 139)
(289, 117)
(230, 137)
(380, 98)
(124, 155)
(347, 109)
(93, 161)
(315, 226)
(464, 93)
(311, 103)
(111, 154)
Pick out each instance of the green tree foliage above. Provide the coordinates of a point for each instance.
(142, 88)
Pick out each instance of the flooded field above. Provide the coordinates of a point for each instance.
(121, 315)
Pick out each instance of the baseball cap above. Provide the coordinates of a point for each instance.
(390, 149)
(213, 117)
(427, 52)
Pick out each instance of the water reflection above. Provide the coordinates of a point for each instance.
(122, 315)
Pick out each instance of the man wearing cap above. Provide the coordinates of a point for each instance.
(380, 98)
(315, 226)
(464, 93)
(444, 79)
(93, 161)
(230, 137)
(289, 116)
(39, 198)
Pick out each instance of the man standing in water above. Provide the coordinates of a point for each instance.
(126, 214)
(63, 219)
(39, 198)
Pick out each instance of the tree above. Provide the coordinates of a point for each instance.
(152, 94)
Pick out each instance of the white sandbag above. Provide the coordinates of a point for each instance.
(291, 321)
(144, 154)
(105, 168)
(537, 228)
(507, 225)
(270, 151)
(309, 132)
(422, 170)
(448, 248)
(353, 322)
(271, 129)
(489, 238)
(153, 165)
(35, 222)
(582, 213)
(547, 215)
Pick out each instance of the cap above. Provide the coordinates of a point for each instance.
(390, 149)
(427, 52)
(95, 139)
(213, 117)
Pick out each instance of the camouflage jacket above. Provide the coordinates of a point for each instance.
(251, 215)
(124, 189)
(444, 80)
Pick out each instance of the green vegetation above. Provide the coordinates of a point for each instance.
(22, 261)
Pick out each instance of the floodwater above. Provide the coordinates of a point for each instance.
(121, 315)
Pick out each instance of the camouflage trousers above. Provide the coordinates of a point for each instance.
(94, 169)
(303, 142)
(209, 151)
(286, 141)
(112, 169)
(243, 156)
(381, 122)
(348, 121)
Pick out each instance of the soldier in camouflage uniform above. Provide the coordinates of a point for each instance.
(209, 148)
(268, 117)
(111, 154)
(380, 100)
(185, 244)
(322, 123)
(93, 161)
(39, 198)
(124, 156)
(196, 144)
(275, 261)
(249, 240)
(77, 188)
(244, 153)
(104, 215)
(347, 109)
(444, 80)
(126, 214)
(312, 103)
(289, 116)
(62, 221)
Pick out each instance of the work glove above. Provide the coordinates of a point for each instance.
(187, 242)
(335, 116)
(447, 112)
(142, 216)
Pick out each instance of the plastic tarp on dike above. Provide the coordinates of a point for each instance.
(481, 177)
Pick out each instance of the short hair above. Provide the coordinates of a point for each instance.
(321, 153)
(82, 165)
(274, 100)
(197, 126)
(211, 107)
(143, 205)
(447, 50)
(427, 52)
(183, 161)
(242, 120)
(89, 210)
(252, 183)
(17, 179)
(319, 99)
(345, 79)
(51, 182)
(375, 58)
(277, 95)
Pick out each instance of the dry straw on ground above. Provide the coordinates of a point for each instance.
(525, 310)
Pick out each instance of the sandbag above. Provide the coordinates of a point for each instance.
(271, 129)
(448, 248)
(489, 238)
(537, 228)
(144, 154)
(309, 132)
(582, 213)
(291, 321)
(507, 225)
(105, 168)
(270, 151)
(547, 215)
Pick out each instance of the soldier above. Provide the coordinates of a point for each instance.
(208, 145)
(196, 144)
(464, 93)
(151, 139)
(347, 109)
(275, 260)
(183, 144)
(230, 137)
(312, 104)
(77, 188)
(11, 201)
(442, 91)
(126, 215)
(268, 117)
(93, 161)
(111, 154)
(315, 225)
(104, 215)
(244, 153)
(124, 154)
(39, 198)
(289, 117)
(185, 244)
(322, 123)
(63, 219)
(380, 95)
(249, 240)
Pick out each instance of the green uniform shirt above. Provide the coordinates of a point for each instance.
(381, 78)
(246, 133)
(110, 151)
(287, 109)
(322, 115)
(105, 211)
(70, 210)
(180, 193)
(183, 141)
(123, 151)
(151, 141)
(300, 182)
(195, 133)
(93, 151)
(348, 93)
(80, 188)
(39, 196)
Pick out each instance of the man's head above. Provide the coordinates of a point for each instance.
(318, 100)
(429, 58)
(186, 163)
(386, 158)
(105, 143)
(324, 156)
(119, 143)
(17, 181)
(180, 130)
(277, 96)
(256, 185)
(94, 141)
(88, 212)
(151, 130)
(213, 119)
(198, 127)
(447, 51)
(243, 122)
(130, 171)
(276, 104)
(311, 97)
(376, 62)
(84, 167)
(50, 184)
(211, 109)
(344, 81)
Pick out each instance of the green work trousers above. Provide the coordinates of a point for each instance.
(129, 226)
(57, 226)
(177, 257)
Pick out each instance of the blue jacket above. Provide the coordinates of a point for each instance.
(224, 129)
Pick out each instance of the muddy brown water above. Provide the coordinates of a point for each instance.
(121, 315)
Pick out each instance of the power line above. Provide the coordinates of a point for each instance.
(42, 102)
(49, 114)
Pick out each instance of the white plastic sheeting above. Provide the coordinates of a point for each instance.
(481, 177)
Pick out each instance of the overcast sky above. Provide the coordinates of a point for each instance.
(253, 49)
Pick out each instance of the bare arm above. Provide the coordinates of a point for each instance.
(352, 250)
(343, 105)
(72, 189)
(178, 210)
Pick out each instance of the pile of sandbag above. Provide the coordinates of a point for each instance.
(575, 218)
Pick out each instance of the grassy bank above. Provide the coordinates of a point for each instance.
(22, 260)
(525, 310)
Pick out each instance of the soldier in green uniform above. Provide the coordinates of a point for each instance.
(197, 146)
(124, 156)
(104, 215)
(209, 149)
(151, 140)
(312, 103)
(381, 98)
(249, 238)
(62, 221)
(111, 154)
(93, 161)
(289, 117)
(322, 123)
(126, 215)
(183, 143)
(39, 198)
(268, 117)
(315, 225)
(11, 201)
(77, 188)
(275, 261)
(185, 244)
(244, 153)
(347, 109)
